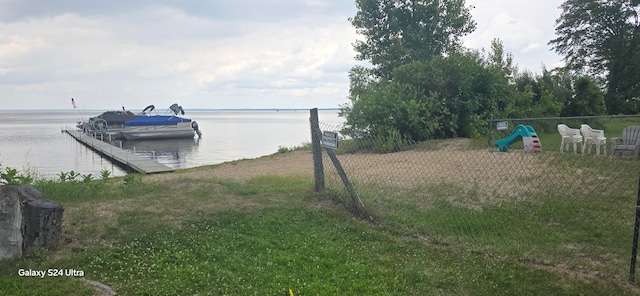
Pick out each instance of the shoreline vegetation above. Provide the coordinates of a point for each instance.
(255, 226)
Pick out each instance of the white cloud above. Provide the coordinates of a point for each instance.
(531, 47)
(216, 54)
(524, 27)
(161, 54)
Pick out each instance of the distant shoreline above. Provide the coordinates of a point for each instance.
(190, 109)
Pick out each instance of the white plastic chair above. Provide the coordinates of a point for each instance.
(591, 137)
(569, 135)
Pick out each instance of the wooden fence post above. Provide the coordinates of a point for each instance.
(318, 169)
(346, 182)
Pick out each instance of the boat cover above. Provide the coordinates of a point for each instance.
(156, 120)
(115, 117)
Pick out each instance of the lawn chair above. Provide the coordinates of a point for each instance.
(569, 135)
(630, 142)
(593, 136)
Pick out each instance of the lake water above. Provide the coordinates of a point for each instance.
(33, 140)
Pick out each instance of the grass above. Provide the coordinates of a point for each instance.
(269, 234)
(578, 205)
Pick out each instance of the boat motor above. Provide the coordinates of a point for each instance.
(194, 125)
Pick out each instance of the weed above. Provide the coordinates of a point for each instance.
(132, 179)
(104, 175)
(68, 176)
(10, 176)
(283, 149)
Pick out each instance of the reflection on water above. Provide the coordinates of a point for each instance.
(33, 140)
(173, 153)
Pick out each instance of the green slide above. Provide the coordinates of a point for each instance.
(516, 135)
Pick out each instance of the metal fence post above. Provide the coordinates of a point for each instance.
(636, 231)
(490, 130)
(318, 169)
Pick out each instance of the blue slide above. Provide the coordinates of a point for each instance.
(516, 135)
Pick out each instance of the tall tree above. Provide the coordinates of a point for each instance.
(398, 32)
(447, 96)
(587, 99)
(602, 38)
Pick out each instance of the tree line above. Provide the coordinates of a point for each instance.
(423, 84)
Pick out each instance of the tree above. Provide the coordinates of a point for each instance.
(540, 95)
(602, 38)
(588, 99)
(445, 97)
(556, 85)
(398, 32)
(387, 108)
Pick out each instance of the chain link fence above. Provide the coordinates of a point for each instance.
(556, 210)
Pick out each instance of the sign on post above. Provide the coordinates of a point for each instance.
(330, 140)
(502, 125)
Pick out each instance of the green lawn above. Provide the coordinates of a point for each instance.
(269, 235)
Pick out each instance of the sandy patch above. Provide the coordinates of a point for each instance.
(485, 175)
(298, 162)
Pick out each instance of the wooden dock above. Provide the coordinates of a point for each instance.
(120, 156)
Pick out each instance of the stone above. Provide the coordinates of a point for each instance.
(28, 221)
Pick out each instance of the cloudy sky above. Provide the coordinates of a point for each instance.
(213, 54)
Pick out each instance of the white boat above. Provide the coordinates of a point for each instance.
(160, 126)
(109, 124)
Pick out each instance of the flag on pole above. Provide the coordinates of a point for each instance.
(73, 102)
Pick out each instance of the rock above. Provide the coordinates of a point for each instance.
(10, 223)
(27, 221)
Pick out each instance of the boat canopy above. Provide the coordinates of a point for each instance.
(115, 117)
(156, 120)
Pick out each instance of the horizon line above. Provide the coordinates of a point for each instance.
(193, 109)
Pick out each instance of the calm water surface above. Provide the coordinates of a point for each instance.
(33, 140)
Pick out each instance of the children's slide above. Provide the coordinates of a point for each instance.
(517, 135)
